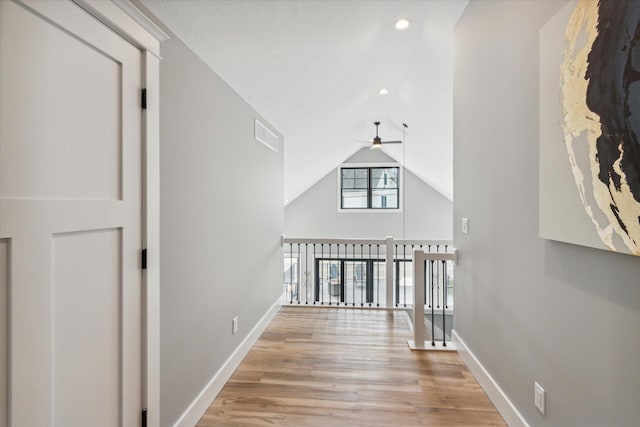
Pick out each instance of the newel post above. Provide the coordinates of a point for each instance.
(389, 271)
(418, 299)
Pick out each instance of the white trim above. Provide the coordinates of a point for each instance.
(505, 407)
(371, 165)
(118, 19)
(142, 19)
(199, 406)
(151, 237)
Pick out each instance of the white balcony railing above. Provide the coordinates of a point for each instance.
(364, 273)
(432, 269)
(374, 273)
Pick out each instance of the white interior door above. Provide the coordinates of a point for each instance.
(70, 219)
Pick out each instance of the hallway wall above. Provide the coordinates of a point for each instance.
(221, 225)
(315, 212)
(531, 309)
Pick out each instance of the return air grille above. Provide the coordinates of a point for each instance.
(264, 135)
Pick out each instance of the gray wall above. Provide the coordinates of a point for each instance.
(531, 309)
(315, 212)
(221, 223)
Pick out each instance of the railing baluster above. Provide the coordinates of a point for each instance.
(330, 273)
(299, 271)
(404, 275)
(340, 274)
(433, 330)
(369, 279)
(290, 287)
(430, 294)
(396, 265)
(446, 284)
(345, 290)
(353, 273)
(322, 277)
(438, 285)
(424, 284)
(410, 269)
(444, 322)
(378, 271)
(361, 288)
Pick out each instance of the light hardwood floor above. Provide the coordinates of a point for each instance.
(347, 367)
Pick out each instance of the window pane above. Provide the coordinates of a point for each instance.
(347, 173)
(353, 199)
(394, 173)
(361, 183)
(290, 269)
(384, 199)
(348, 183)
(361, 173)
(384, 177)
(379, 172)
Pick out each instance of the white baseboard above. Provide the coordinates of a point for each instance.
(199, 406)
(507, 410)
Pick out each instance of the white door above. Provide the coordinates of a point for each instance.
(70, 218)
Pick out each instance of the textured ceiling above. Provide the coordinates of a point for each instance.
(313, 68)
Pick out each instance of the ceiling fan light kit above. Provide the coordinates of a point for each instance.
(377, 142)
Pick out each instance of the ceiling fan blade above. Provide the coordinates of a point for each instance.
(391, 142)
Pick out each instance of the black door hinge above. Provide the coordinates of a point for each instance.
(144, 418)
(144, 98)
(143, 257)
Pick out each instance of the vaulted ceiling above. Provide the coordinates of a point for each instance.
(314, 69)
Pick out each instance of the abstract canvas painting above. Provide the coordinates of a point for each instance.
(590, 125)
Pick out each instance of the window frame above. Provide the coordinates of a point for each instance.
(369, 208)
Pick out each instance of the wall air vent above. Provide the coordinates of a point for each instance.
(264, 135)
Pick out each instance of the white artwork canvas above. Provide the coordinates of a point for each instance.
(590, 125)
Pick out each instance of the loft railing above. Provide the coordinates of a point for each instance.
(355, 272)
(432, 270)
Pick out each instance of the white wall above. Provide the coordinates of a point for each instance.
(531, 309)
(315, 212)
(221, 224)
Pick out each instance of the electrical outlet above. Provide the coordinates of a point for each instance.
(539, 397)
(465, 225)
(234, 325)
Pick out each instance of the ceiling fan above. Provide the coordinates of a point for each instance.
(377, 141)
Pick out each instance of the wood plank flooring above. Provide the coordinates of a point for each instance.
(347, 367)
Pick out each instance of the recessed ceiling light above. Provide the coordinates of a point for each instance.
(402, 24)
(383, 91)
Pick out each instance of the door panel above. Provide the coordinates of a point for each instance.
(70, 204)
(4, 317)
(61, 157)
(86, 327)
